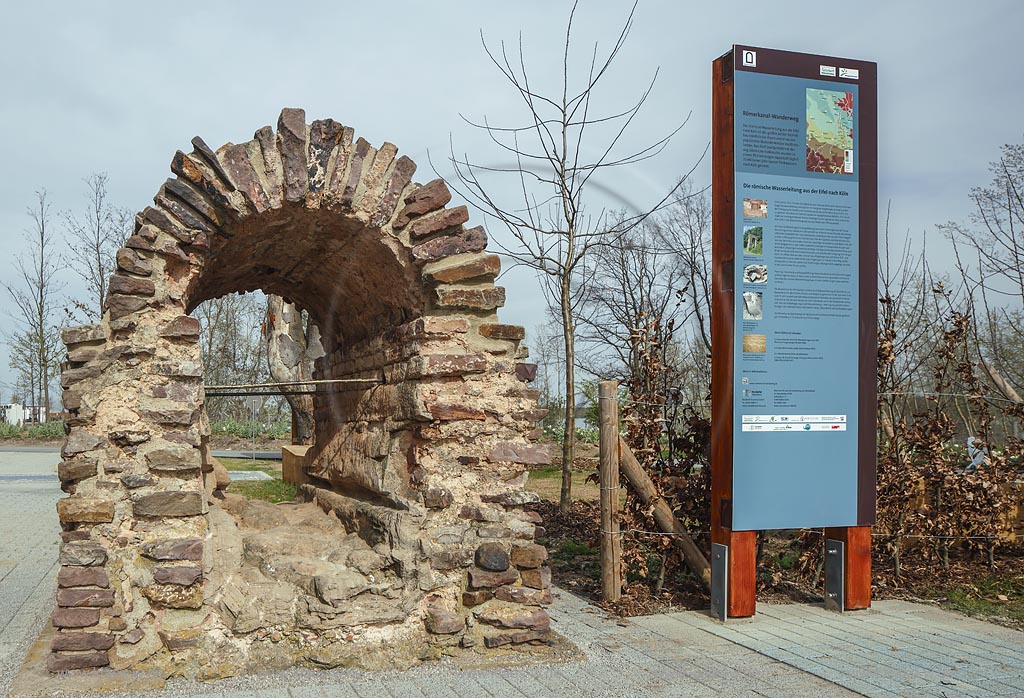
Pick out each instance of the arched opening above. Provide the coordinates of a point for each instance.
(423, 537)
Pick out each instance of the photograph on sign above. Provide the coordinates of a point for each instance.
(753, 239)
(755, 208)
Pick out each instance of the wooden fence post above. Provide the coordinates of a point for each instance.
(611, 544)
(662, 513)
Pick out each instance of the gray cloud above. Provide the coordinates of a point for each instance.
(119, 86)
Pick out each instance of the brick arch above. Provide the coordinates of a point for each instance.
(425, 466)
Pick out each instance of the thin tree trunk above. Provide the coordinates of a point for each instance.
(41, 327)
(569, 439)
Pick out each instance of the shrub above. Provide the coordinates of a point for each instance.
(53, 429)
(243, 429)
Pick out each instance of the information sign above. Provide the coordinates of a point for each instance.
(801, 269)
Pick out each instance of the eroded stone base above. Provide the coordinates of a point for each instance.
(287, 585)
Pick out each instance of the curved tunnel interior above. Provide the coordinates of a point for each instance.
(346, 276)
(358, 284)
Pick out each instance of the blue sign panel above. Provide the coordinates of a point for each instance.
(795, 372)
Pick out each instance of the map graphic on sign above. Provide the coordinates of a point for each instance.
(829, 131)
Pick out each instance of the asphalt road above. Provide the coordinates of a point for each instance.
(259, 455)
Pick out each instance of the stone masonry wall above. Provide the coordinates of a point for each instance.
(426, 469)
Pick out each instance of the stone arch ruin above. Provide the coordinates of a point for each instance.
(417, 534)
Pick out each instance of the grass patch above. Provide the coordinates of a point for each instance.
(990, 596)
(578, 557)
(571, 549)
(547, 482)
(270, 467)
(243, 429)
(788, 561)
(273, 491)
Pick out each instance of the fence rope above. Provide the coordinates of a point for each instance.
(803, 532)
(974, 396)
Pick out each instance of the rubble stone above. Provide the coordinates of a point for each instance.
(442, 622)
(492, 557)
(493, 641)
(524, 595)
(174, 595)
(186, 575)
(82, 553)
(430, 197)
(448, 218)
(79, 642)
(182, 549)
(170, 504)
(60, 662)
(483, 579)
(85, 510)
(82, 577)
(528, 555)
(539, 578)
(437, 498)
(91, 598)
(75, 617)
(514, 617)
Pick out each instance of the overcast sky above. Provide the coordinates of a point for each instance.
(117, 87)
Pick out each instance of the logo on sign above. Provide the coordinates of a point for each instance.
(750, 58)
(849, 73)
(828, 70)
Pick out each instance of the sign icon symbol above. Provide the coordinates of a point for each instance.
(750, 58)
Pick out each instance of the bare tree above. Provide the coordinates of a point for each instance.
(25, 362)
(996, 234)
(546, 347)
(685, 232)
(632, 284)
(553, 155)
(34, 298)
(232, 346)
(93, 240)
(909, 318)
(293, 344)
(990, 258)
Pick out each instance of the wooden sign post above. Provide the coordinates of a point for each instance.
(794, 245)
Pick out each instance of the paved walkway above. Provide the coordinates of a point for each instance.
(29, 490)
(794, 651)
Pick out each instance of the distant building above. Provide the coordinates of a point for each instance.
(13, 414)
(20, 415)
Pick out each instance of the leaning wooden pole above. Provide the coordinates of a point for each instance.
(611, 543)
(663, 515)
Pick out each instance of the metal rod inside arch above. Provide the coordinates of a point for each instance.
(292, 384)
